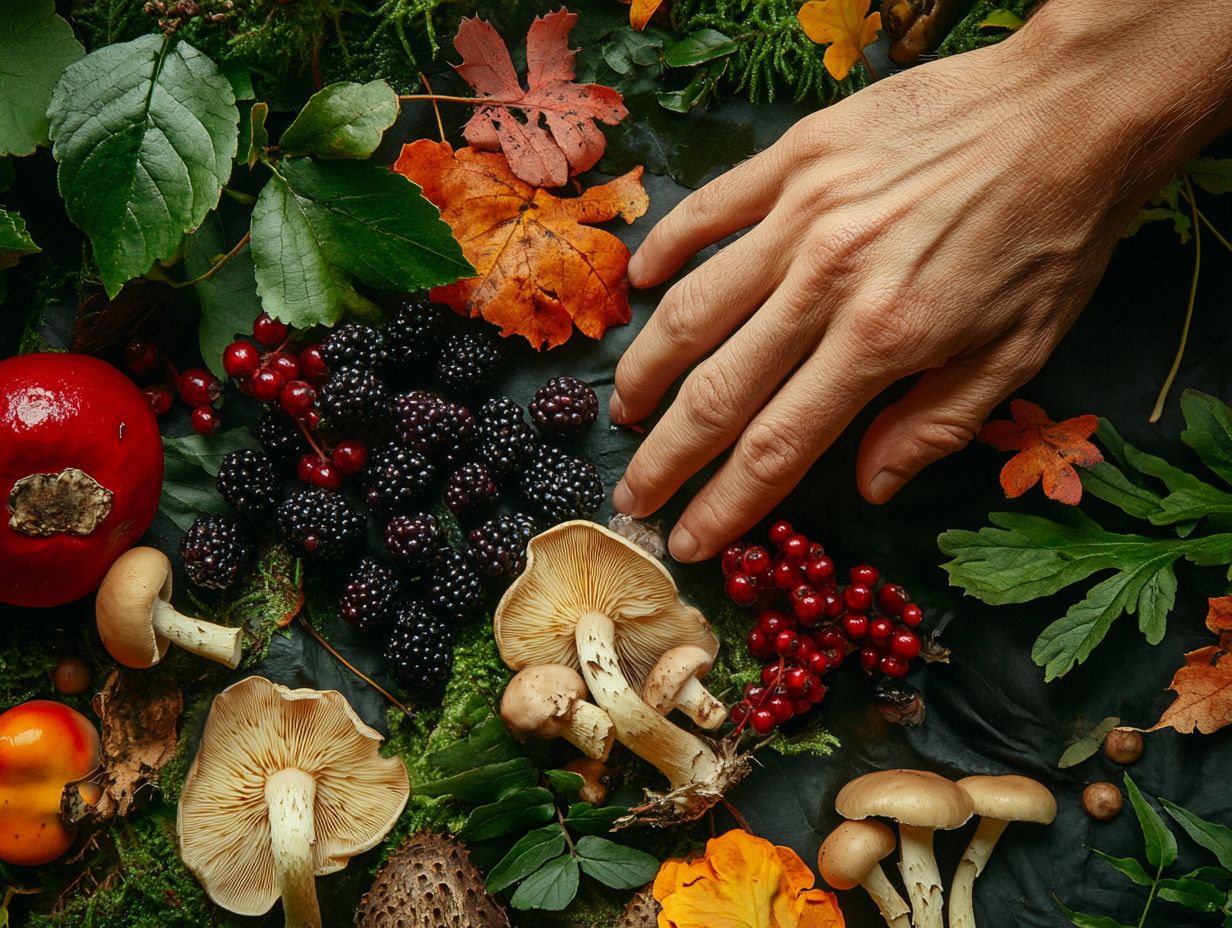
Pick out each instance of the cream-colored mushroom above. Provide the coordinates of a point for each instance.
(851, 856)
(549, 701)
(675, 683)
(137, 622)
(287, 785)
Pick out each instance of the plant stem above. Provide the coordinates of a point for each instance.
(473, 101)
(560, 817)
(868, 66)
(440, 126)
(351, 667)
(737, 815)
(1215, 232)
(1193, 293)
(202, 278)
(1150, 899)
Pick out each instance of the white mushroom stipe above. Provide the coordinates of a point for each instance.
(974, 860)
(205, 639)
(291, 795)
(675, 683)
(918, 866)
(549, 701)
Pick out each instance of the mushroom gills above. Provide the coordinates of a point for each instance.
(205, 639)
(291, 794)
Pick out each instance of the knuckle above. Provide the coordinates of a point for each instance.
(708, 398)
(833, 253)
(769, 455)
(885, 325)
(680, 313)
(945, 433)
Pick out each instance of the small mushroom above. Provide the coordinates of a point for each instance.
(287, 785)
(998, 801)
(549, 701)
(920, 802)
(594, 772)
(138, 623)
(675, 683)
(851, 856)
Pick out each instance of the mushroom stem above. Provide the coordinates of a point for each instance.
(889, 903)
(682, 757)
(290, 795)
(699, 704)
(205, 639)
(590, 730)
(974, 859)
(919, 869)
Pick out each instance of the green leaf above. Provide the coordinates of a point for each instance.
(488, 742)
(593, 820)
(1126, 865)
(1214, 175)
(190, 465)
(1089, 921)
(1160, 842)
(344, 120)
(1086, 745)
(530, 852)
(616, 865)
(240, 79)
(1208, 431)
(258, 135)
(15, 241)
(1148, 214)
(484, 784)
(144, 132)
(1193, 894)
(36, 46)
(516, 811)
(565, 782)
(318, 223)
(206, 452)
(1001, 19)
(229, 301)
(695, 93)
(551, 887)
(1108, 482)
(699, 48)
(1214, 837)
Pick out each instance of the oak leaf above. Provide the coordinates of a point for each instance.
(541, 268)
(844, 26)
(1046, 449)
(743, 881)
(1203, 686)
(571, 142)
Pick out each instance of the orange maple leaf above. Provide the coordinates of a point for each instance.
(1045, 449)
(640, 12)
(1203, 686)
(844, 26)
(541, 268)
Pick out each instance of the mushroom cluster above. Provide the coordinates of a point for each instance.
(590, 601)
(922, 803)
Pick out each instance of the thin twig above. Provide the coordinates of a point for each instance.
(235, 250)
(736, 814)
(474, 101)
(351, 667)
(1193, 294)
(1215, 232)
(565, 830)
(435, 107)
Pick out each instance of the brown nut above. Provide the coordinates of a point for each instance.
(71, 676)
(1102, 801)
(1123, 745)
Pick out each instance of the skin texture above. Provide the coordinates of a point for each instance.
(949, 222)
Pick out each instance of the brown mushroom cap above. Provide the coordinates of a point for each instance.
(851, 851)
(124, 607)
(256, 729)
(577, 568)
(1010, 798)
(539, 701)
(909, 797)
(676, 668)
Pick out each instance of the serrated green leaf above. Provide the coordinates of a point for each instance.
(698, 48)
(318, 223)
(487, 742)
(144, 133)
(518, 810)
(551, 887)
(593, 820)
(1193, 894)
(1214, 175)
(1081, 920)
(343, 120)
(229, 301)
(1160, 842)
(15, 241)
(484, 784)
(1208, 431)
(1126, 865)
(1086, 745)
(565, 782)
(532, 850)
(1214, 837)
(615, 865)
(1111, 484)
(36, 46)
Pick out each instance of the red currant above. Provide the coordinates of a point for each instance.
(240, 360)
(891, 599)
(311, 418)
(781, 708)
(785, 574)
(834, 658)
(268, 331)
(770, 674)
(740, 711)
(905, 644)
(865, 575)
(833, 604)
(870, 657)
(893, 666)
(912, 615)
(730, 561)
(855, 625)
(762, 721)
(285, 364)
(350, 456)
(796, 548)
(326, 476)
(771, 622)
(312, 365)
(198, 387)
(787, 644)
(780, 531)
(809, 609)
(297, 397)
(754, 693)
(755, 561)
(802, 705)
(819, 662)
(160, 398)
(807, 648)
(880, 629)
(858, 598)
(827, 636)
(817, 689)
(266, 385)
(820, 570)
(796, 680)
(741, 589)
(306, 467)
(140, 357)
(205, 420)
(759, 644)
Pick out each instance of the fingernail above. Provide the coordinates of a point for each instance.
(683, 545)
(616, 408)
(884, 485)
(635, 267)
(622, 498)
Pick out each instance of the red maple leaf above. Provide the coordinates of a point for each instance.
(1046, 449)
(571, 142)
(1203, 686)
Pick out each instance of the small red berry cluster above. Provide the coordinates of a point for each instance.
(196, 387)
(808, 624)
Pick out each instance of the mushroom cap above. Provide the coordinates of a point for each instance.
(255, 729)
(675, 668)
(540, 700)
(909, 797)
(1010, 798)
(852, 849)
(579, 567)
(124, 607)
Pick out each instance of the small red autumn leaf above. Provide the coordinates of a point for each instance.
(541, 267)
(1046, 449)
(571, 142)
(1203, 686)
(640, 12)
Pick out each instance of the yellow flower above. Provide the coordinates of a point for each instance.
(843, 26)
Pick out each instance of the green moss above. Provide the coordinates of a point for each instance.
(735, 666)
(813, 738)
(968, 34)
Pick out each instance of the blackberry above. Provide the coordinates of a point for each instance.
(398, 477)
(431, 424)
(418, 540)
(503, 440)
(280, 437)
(369, 594)
(319, 524)
(215, 550)
(455, 590)
(354, 345)
(561, 486)
(419, 650)
(564, 405)
(352, 396)
(248, 482)
(498, 547)
(470, 489)
(468, 361)
(414, 331)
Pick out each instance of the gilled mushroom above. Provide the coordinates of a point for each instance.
(287, 785)
(591, 600)
(920, 802)
(851, 856)
(675, 683)
(999, 801)
(549, 701)
(138, 623)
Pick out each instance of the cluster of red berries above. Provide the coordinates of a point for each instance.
(808, 624)
(196, 387)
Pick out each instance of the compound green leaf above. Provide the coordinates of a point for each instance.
(36, 46)
(551, 887)
(532, 851)
(615, 865)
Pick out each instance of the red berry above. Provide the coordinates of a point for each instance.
(755, 561)
(858, 598)
(893, 666)
(912, 615)
(759, 644)
(772, 622)
(905, 644)
(816, 551)
(880, 629)
(160, 398)
(205, 421)
(870, 657)
(802, 705)
(740, 711)
(809, 609)
(311, 418)
(762, 721)
(297, 397)
(820, 570)
(785, 574)
(787, 644)
(140, 357)
(834, 658)
(807, 648)
(754, 693)
(855, 625)
(268, 331)
(780, 531)
(781, 708)
(891, 599)
(240, 360)
(306, 467)
(770, 674)
(350, 456)
(312, 365)
(796, 680)
(326, 476)
(741, 589)
(796, 548)
(285, 364)
(865, 575)
(266, 385)
(827, 636)
(198, 387)
(833, 603)
(817, 689)
(730, 561)
(819, 661)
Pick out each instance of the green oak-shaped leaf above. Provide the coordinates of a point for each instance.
(36, 46)
(344, 120)
(15, 241)
(318, 224)
(144, 132)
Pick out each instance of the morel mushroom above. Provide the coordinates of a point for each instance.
(851, 856)
(549, 701)
(675, 683)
